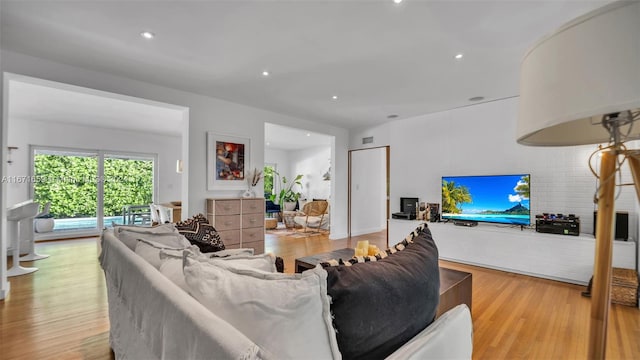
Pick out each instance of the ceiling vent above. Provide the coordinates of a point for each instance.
(367, 140)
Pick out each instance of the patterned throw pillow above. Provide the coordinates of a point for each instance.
(198, 231)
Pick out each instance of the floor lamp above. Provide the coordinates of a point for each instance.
(581, 85)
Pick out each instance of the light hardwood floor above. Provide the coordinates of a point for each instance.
(60, 312)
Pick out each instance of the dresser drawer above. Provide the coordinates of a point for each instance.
(252, 235)
(253, 206)
(258, 246)
(224, 222)
(252, 220)
(223, 207)
(230, 237)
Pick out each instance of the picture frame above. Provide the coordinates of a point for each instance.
(228, 160)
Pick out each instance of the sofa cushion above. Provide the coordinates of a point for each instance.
(380, 304)
(129, 233)
(286, 315)
(172, 240)
(172, 269)
(171, 262)
(198, 231)
(264, 262)
(151, 251)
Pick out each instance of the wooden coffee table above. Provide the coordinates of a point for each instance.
(309, 262)
(455, 285)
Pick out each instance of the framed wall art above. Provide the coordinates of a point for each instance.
(227, 162)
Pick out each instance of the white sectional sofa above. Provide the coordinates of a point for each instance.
(152, 317)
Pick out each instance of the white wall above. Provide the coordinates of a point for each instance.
(24, 133)
(481, 140)
(4, 284)
(368, 191)
(312, 163)
(205, 114)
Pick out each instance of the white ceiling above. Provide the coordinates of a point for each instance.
(287, 138)
(46, 101)
(379, 58)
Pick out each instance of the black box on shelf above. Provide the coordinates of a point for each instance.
(558, 224)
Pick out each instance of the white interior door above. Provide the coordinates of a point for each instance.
(368, 189)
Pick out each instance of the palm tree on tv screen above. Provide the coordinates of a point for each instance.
(453, 195)
(523, 187)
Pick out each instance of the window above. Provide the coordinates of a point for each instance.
(268, 172)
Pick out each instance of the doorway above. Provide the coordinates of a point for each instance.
(368, 191)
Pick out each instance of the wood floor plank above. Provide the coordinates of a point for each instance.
(60, 311)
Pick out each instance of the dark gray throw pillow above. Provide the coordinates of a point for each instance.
(379, 305)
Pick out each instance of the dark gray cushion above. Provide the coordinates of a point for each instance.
(380, 305)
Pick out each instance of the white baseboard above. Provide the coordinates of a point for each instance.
(366, 231)
(334, 236)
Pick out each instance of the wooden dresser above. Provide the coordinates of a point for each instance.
(240, 222)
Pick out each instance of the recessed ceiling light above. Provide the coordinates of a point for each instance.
(392, 116)
(476, 98)
(458, 56)
(397, 1)
(147, 34)
(265, 73)
(335, 97)
(308, 134)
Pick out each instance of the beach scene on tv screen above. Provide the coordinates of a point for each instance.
(497, 199)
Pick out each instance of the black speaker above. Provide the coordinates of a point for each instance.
(621, 224)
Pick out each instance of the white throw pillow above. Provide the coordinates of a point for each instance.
(150, 251)
(265, 262)
(171, 268)
(231, 252)
(157, 229)
(285, 314)
(170, 239)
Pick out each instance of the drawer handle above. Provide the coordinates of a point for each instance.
(227, 208)
(252, 235)
(252, 220)
(228, 222)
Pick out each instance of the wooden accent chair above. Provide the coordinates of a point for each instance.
(312, 214)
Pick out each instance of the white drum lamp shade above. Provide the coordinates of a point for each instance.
(588, 68)
(574, 82)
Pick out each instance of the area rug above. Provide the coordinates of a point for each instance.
(298, 235)
(282, 232)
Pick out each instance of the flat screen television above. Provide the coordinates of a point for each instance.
(500, 199)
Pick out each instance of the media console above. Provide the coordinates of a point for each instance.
(563, 258)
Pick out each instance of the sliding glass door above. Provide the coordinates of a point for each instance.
(128, 189)
(67, 180)
(89, 190)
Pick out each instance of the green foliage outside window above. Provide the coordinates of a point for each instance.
(70, 184)
(268, 179)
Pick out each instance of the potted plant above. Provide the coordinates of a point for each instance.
(288, 196)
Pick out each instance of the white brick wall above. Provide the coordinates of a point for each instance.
(481, 140)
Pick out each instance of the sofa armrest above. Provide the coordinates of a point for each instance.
(449, 337)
